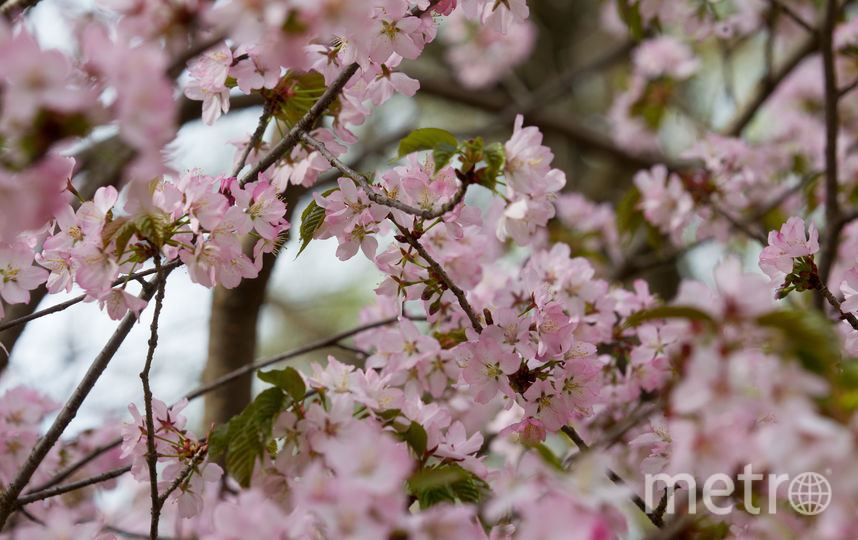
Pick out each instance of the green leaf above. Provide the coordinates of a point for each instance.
(311, 219)
(631, 15)
(628, 218)
(425, 139)
(416, 438)
(153, 227)
(442, 154)
(667, 312)
(435, 477)
(305, 85)
(495, 158)
(287, 379)
(446, 483)
(548, 456)
(245, 437)
(808, 335)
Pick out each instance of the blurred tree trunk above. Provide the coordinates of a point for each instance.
(232, 332)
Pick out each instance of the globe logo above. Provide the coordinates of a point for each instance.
(809, 493)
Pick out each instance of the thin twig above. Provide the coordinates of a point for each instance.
(791, 13)
(76, 300)
(151, 453)
(848, 88)
(267, 111)
(780, 199)
(326, 342)
(442, 275)
(44, 445)
(615, 478)
(767, 86)
(65, 488)
(377, 197)
(740, 225)
(195, 460)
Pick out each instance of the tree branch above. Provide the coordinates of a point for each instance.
(53, 492)
(767, 86)
(195, 460)
(43, 446)
(442, 275)
(151, 454)
(377, 197)
(833, 224)
(791, 13)
(267, 111)
(304, 124)
(76, 300)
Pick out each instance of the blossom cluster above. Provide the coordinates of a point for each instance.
(505, 378)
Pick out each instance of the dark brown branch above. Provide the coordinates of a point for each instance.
(377, 197)
(306, 123)
(848, 88)
(71, 469)
(44, 445)
(828, 251)
(442, 275)
(204, 389)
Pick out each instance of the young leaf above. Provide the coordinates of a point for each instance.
(442, 154)
(425, 139)
(311, 219)
(153, 227)
(495, 157)
(446, 483)
(287, 379)
(808, 335)
(628, 218)
(667, 312)
(246, 435)
(416, 438)
(631, 15)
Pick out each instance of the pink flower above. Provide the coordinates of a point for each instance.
(790, 242)
(119, 302)
(664, 201)
(530, 431)
(547, 404)
(18, 276)
(259, 201)
(487, 366)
